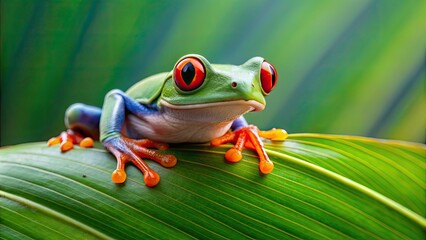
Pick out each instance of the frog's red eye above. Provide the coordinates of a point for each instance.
(268, 77)
(189, 74)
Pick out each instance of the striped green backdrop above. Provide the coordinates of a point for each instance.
(345, 67)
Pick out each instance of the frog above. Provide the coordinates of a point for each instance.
(196, 102)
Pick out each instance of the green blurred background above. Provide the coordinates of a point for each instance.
(345, 67)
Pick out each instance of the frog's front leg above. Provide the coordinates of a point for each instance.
(125, 149)
(249, 136)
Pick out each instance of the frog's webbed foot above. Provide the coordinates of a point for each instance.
(69, 138)
(130, 150)
(250, 137)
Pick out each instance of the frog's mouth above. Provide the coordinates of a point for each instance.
(252, 105)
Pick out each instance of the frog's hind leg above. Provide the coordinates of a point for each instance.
(84, 119)
(82, 122)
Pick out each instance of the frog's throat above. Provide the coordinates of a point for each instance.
(254, 105)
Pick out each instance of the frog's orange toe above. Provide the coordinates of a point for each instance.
(215, 142)
(151, 178)
(266, 167)
(162, 146)
(168, 160)
(53, 141)
(233, 155)
(66, 146)
(86, 142)
(118, 176)
(275, 134)
(228, 137)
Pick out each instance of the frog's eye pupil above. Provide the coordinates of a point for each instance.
(268, 77)
(272, 75)
(189, 74)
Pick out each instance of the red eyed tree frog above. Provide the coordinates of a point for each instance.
(194, 103)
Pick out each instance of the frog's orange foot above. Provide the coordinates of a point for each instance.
(68, 138)
(249, 137)
(130, 150)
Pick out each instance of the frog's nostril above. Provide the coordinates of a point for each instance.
(234, 84)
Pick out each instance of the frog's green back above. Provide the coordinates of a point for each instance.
(148, 89)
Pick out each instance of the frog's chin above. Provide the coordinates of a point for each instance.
(248, 105)
(209, 113)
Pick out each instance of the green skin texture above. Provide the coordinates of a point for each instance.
(217, 87)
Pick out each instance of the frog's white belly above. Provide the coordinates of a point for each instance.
(196, 123)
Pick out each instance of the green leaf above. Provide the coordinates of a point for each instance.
(322, 187)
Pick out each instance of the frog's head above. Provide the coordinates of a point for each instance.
(195, 83)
